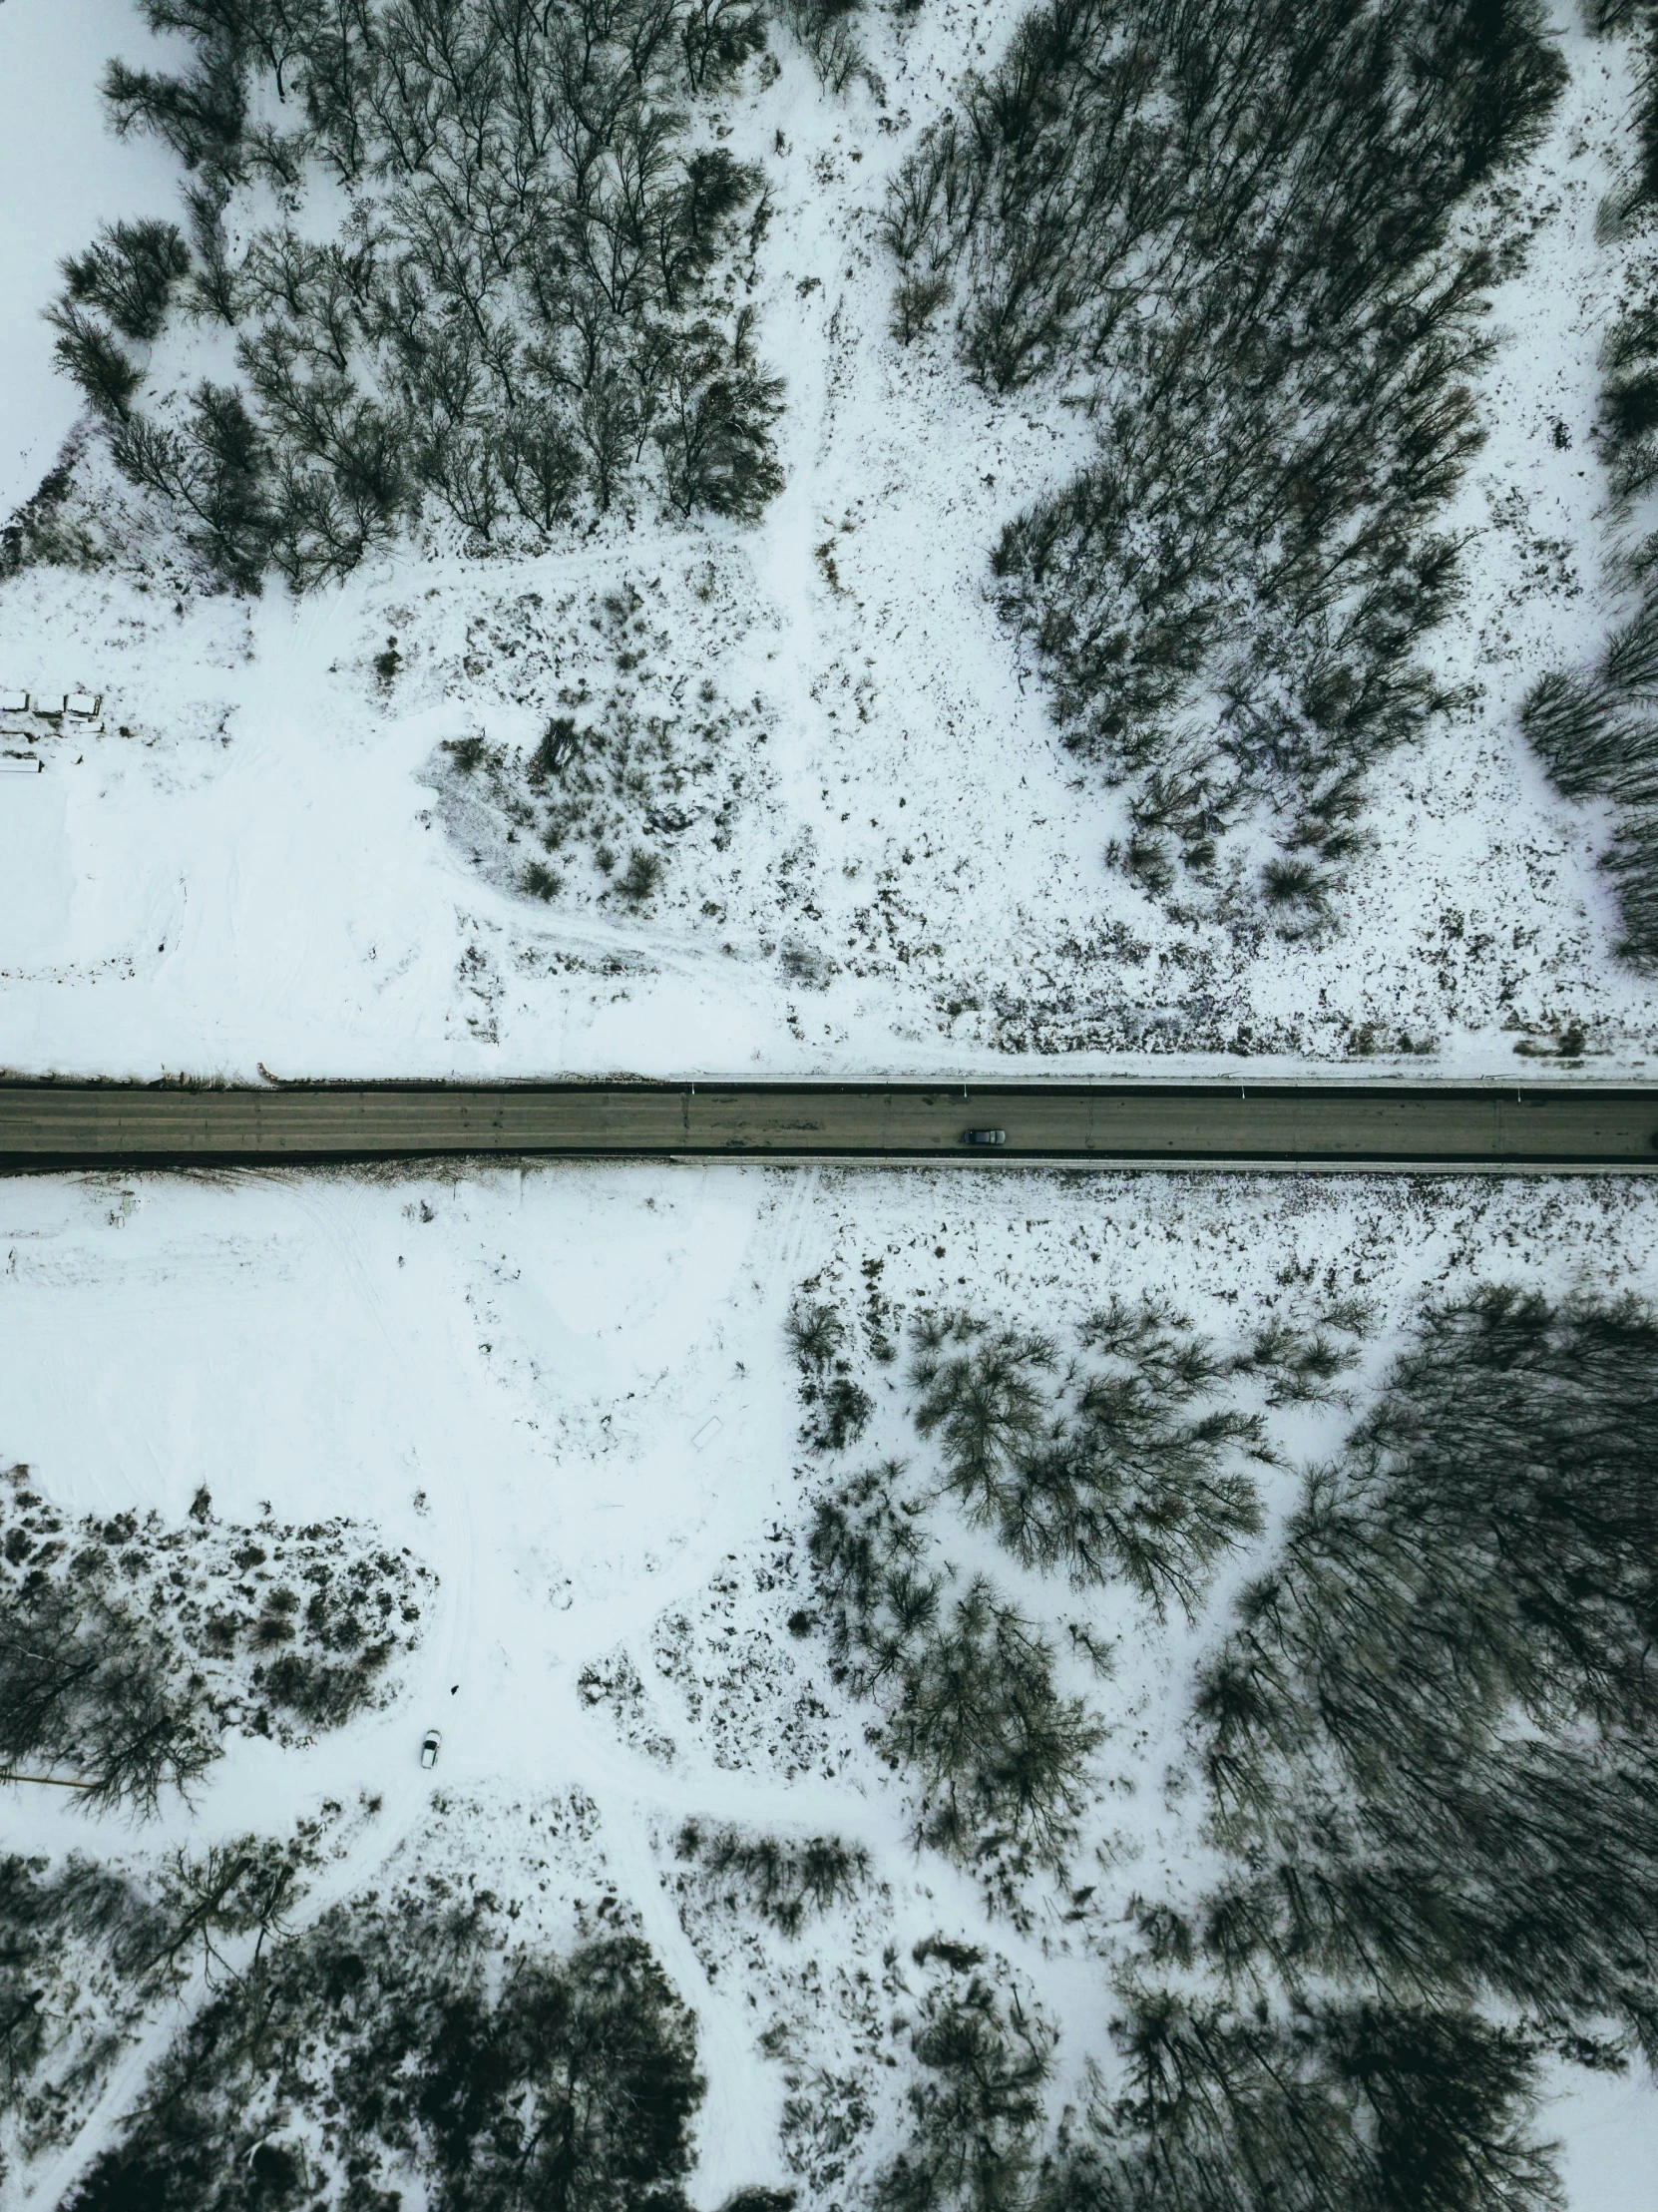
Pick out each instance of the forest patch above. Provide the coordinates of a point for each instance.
(497, 297)
(1254, 245)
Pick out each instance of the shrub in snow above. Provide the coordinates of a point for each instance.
(838, 1408)
(126, 1646)
(915, 303)
(782, 1880)
(622, 766)
(816, 1334)
(1095, 1469)
(825, 29)
(968, 1682)
(640, 876)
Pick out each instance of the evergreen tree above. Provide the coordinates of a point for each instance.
(129, 276)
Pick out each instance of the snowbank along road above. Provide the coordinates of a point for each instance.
(1303, 1125)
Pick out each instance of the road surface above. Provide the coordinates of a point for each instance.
(1304, 1125)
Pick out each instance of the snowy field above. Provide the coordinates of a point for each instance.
(881, 858)
(568, 1392)
(556, 1410)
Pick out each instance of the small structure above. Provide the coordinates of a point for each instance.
(20, 763)
(45, 716)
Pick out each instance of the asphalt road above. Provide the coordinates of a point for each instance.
(1307, 1126)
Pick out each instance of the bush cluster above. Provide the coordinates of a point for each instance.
(975, 2108)
(128, 1645)
(1125, 1462)
(1239, 236)
(784, 1882)
(490, 297)
(622, 772)
(837, 1406)
(973, 1704)
(1103, 1468)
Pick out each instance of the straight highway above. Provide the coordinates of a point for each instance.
(1308, 1126)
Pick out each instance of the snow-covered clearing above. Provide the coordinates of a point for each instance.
(886, 861)
(506, 1373)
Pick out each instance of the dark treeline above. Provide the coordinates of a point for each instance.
(1372, 2108)
(1597, 729)
(1426, 1737)
(1430, 1748)
(78, 1931)
(1235, 233)
(1395, 2108)
(88, 1684)
(1596, 733)
(1451, 1663)
(400, 2041)
(513, 321)
(155, 1933)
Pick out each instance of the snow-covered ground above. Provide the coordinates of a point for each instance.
(567, 1391)
(61, 175)
(890, 863)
